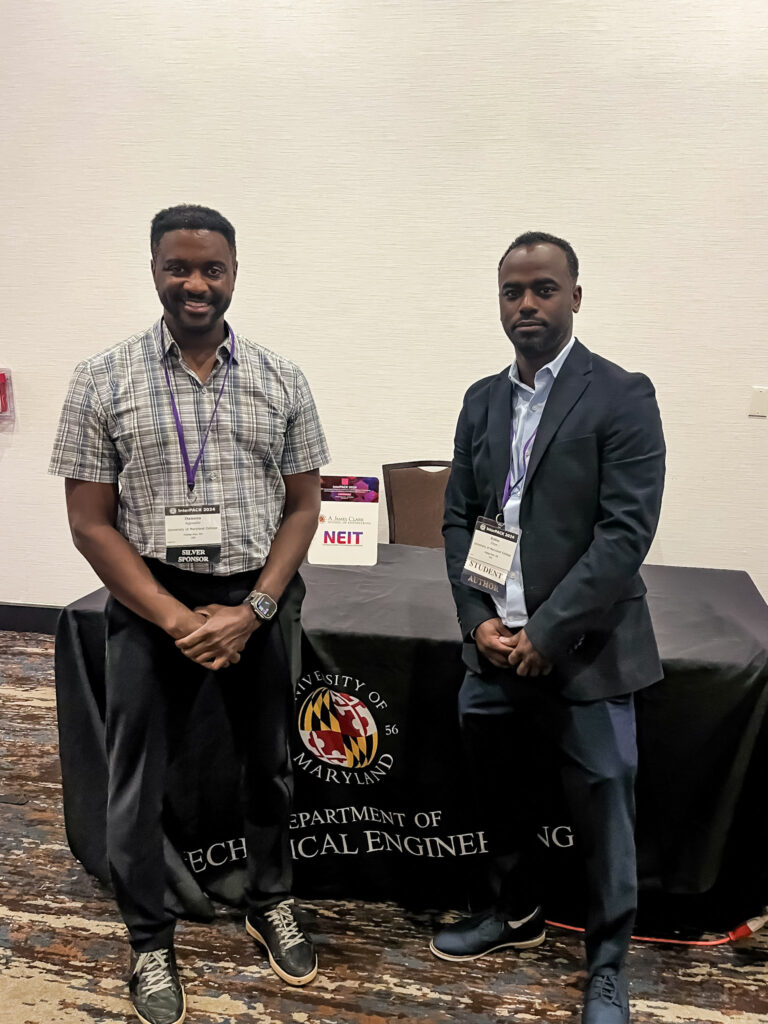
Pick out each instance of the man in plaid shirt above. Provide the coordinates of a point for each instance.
(191, 457)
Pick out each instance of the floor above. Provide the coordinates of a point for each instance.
(63, 953)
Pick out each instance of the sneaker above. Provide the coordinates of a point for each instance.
(156, 991)
(606, 1000)
(291, 954)
(475, 936)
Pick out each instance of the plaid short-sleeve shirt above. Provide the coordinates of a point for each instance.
(117, 426)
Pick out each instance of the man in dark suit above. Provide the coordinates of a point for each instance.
(565, 451)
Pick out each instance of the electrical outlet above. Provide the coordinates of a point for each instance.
(758, 404)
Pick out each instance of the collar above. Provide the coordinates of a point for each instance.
(554, 367)
(165, 342)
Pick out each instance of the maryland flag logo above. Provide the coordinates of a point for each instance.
(338, 728)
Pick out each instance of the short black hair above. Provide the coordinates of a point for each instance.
(542, 238)
(188, 217)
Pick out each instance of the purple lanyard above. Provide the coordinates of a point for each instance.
(192, 469)
(509, 486)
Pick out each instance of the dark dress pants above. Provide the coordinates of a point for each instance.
(510, 725)
(151, 689)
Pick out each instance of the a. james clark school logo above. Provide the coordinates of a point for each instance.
(338, 727)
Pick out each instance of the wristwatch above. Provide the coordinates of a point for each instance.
(264, 607)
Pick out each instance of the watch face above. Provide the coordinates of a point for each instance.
(265, 606)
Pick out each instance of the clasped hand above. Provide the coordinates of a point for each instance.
(220, 637)
(506, 649)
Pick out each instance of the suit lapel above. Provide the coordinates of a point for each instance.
(570, 383)
(499, 422)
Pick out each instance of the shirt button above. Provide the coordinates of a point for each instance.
(213, 477)
(513, 575)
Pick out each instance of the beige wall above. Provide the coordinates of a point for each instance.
(376, 157)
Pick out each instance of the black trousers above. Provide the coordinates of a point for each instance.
(151, 688)
(510, 725)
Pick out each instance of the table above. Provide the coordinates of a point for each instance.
(382, 805)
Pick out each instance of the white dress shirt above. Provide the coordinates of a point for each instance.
(527, 409)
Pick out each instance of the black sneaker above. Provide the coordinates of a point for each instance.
(291, 954)
(475, 936)
(156, 991)
(606, 1000)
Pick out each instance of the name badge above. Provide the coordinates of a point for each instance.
(192, 534)
(490, 557)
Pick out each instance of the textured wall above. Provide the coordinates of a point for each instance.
(376, 157)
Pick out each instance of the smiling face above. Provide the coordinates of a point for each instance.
(537, 300)
(194, 272)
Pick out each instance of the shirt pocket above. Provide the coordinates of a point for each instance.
(259, 430)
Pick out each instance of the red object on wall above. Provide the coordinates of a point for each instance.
(6, 396)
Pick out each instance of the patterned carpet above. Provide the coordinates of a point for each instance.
(63, 953)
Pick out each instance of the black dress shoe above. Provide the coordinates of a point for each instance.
(156, 991)
(483, 933)
(291, 954)
(606, 1000)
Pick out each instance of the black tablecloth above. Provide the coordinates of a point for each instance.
(388, 812)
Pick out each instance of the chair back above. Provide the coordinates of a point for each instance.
(415, 499)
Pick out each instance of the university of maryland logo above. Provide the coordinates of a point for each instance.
(338, 728)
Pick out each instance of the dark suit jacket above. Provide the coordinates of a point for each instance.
(589, 511)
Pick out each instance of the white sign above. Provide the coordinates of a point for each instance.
(348, 525)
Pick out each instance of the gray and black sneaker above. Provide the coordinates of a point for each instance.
(291, 954)
(156, 991)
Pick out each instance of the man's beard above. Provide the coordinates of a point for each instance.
(545, 341)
